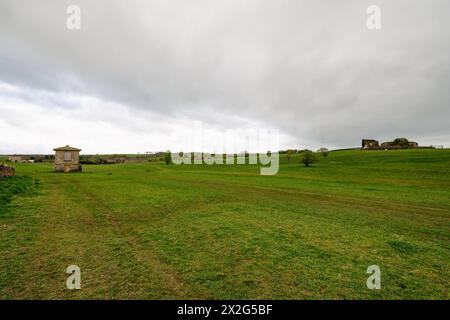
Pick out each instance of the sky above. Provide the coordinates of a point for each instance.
(140, 74)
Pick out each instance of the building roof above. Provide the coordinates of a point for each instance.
(66, 148)
(369, 140)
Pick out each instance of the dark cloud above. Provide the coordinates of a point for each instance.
(309, 68)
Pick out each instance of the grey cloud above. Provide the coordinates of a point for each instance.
(310, 68)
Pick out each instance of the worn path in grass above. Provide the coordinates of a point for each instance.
(152, 231)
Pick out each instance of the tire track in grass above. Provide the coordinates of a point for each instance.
(332, 199)
(174, 286)
(17, 234)
(66, 236)
(71, 231)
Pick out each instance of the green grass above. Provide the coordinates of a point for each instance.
(151, 231)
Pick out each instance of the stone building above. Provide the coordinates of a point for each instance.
(67, 159)
(369, 144)
(399, 143)
(413, 145)
(15, 158)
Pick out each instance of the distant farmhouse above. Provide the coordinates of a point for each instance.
(15, 158)
(399, 143)
(369, 144)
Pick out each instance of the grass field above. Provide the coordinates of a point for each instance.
(152, 231)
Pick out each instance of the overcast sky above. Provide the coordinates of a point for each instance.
(139, 73)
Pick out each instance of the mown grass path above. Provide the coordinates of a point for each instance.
(151, 231)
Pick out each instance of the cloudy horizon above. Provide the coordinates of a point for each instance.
(138, 73)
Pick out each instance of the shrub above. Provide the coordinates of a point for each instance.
(168, 157)
(87, 162)
(403, 142)
(100, 160)
(307, 157)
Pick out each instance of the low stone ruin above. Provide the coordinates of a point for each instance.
(6, 171)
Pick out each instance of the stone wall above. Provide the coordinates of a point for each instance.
(6, 171)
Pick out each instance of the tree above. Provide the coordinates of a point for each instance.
(403, 142)
(307, 157)
(168, 157)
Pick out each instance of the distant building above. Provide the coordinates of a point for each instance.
(115, 160)
(134, 160)
(67, 159)
(15, 158)
(370, 144)
(413, 144)
(399, 143)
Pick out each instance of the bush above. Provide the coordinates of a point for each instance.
(307, 157)
(87, 162)
(168, 157)
(101, 161)
(14, 186)
(402, 142)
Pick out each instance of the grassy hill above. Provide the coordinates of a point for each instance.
(151, 231)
